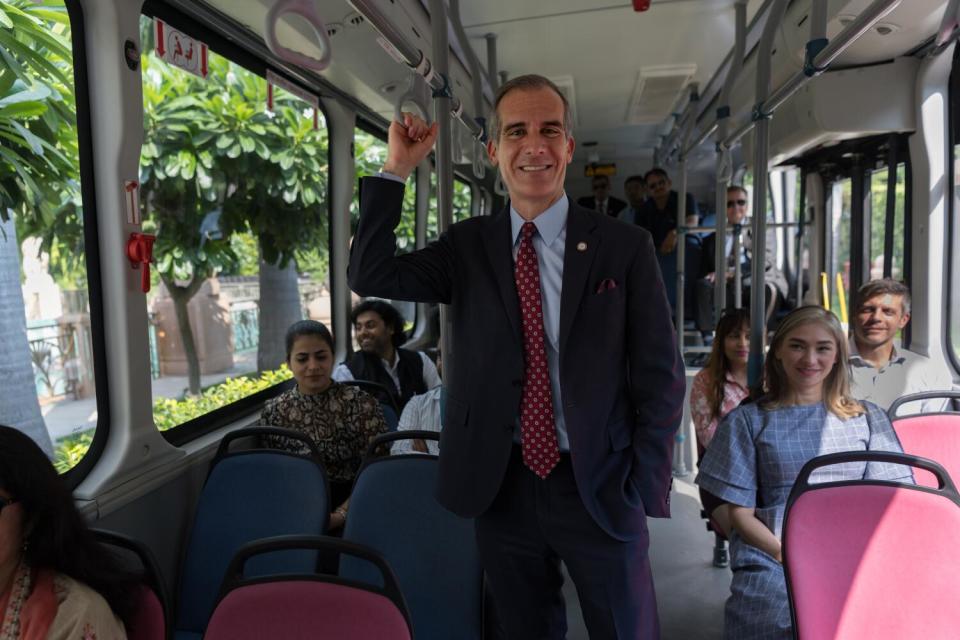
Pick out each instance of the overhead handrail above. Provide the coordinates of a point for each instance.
(476, 78)
(308, 11)
(400, 49)
(819, 62)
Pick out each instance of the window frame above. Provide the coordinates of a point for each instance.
(88, 195)
(234, 51)
(952, 285)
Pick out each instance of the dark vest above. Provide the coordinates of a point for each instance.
(369, 366)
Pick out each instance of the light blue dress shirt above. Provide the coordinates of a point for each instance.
(549, 242)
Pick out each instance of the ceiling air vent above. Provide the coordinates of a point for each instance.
(657, 90)
(333, 28)
(565, 84)
(354, 19)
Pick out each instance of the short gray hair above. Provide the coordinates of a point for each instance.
(527, 82)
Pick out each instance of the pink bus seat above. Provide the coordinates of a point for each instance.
(307, 606)
(870, 558)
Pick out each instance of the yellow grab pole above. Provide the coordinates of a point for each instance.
(824, 291)
(841, 299)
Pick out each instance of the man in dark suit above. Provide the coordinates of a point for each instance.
(601, 200)
(737, 207)
(559, 425)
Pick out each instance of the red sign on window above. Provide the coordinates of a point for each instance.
(180, 50)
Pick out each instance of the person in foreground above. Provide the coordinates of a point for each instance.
(718, 389)
(341, 420)
(56, 581)
(759, 449)
(564, 386)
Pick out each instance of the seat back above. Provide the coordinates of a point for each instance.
(935, 436)
(432, 551)
(872, 558)
(250, 495)
(150, 619)
(909, 404)
(307, 606)
(377, 390)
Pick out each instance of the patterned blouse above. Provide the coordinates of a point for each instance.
(704, 421)
(340, 421)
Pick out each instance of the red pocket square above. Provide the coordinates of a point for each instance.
(606, 284)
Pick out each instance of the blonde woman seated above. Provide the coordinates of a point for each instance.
(759, 448)
(56, 581)
(718, 389)
(341, 420)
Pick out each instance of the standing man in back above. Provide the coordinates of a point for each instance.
(559, 423)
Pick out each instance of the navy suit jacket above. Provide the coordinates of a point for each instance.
(621, 375)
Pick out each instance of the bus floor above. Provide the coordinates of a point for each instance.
(690, 591)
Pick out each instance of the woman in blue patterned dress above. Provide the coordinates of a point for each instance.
(759, 449)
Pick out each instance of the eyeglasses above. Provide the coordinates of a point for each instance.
(6, 502)
(739, 203)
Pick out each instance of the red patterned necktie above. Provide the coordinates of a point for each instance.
(538, 435)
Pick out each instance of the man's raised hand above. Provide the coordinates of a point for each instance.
(408, 143)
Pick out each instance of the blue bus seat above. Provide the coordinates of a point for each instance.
(432, 551)
(250, 495)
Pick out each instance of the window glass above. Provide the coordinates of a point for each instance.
(236, 194)
(878, 192)
(954, 256)
(462, 200)
(46, 349)
(839, 215)
(370, 153)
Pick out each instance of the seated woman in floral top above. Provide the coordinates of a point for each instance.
(718, 389)
(341, 420)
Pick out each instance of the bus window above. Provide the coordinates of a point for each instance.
(462, 201)
(954, 257)
(839, 208)
(878, 191)
(236, 194)
(46, 350)
(370, 153)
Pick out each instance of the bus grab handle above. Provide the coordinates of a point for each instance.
(306, 10)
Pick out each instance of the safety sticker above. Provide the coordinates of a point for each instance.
(180, 50)
(131, 194)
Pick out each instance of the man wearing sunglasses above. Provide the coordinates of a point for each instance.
(737, 202)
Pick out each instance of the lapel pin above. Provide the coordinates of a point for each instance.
(581, 246)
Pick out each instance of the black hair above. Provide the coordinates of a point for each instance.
(307, 328)
(636, 178)
(55, 535)
(387, 312)
(656, 171)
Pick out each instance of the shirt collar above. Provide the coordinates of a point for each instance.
(392, 365)
(549, 223)
(896, 357)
